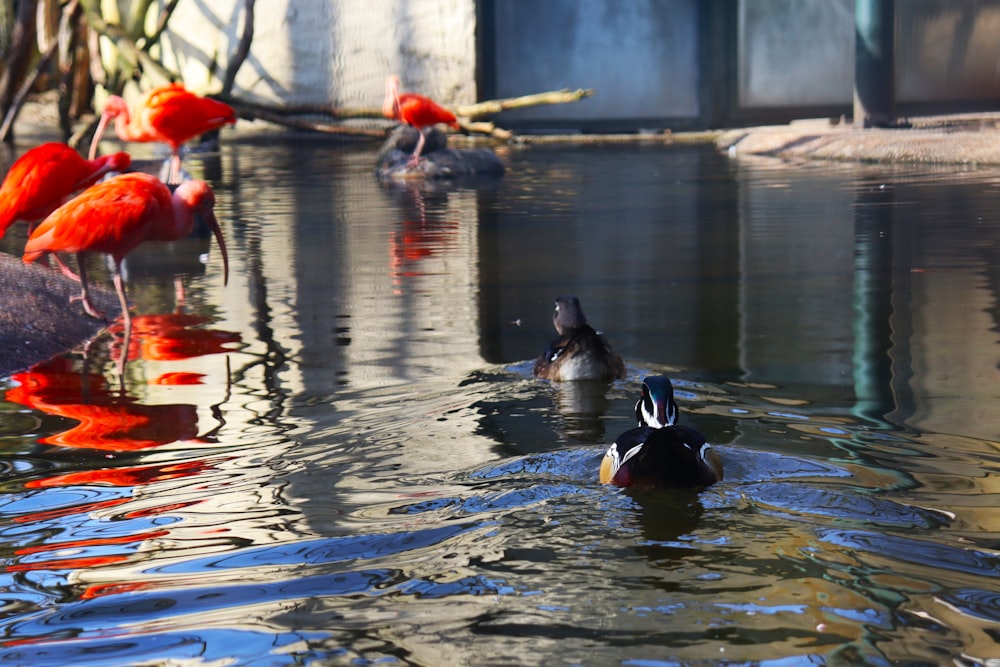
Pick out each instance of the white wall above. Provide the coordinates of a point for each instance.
(329, 51)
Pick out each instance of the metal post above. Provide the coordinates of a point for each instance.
(874, 75)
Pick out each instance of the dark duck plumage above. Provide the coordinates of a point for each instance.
(579, 353)
(660, 452)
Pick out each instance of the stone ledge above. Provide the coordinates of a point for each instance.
(955, 143)
(37, 320)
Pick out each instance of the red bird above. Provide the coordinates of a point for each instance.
(170, 114)
(414, 110)
(42, 179)
(115, 216)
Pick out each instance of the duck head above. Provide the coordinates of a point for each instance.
(568, 315)
(656, 408)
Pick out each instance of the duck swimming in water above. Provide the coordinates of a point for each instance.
(579, 353)
(660, 452)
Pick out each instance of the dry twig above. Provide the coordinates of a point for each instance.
(490, 107)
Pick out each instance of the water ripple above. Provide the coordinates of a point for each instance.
(367, 482)
(323, 551)
(974, 602)
(918, 552)
(489, 502)
(35, 506)
(263, 647)
(123, 614)
(822, 504)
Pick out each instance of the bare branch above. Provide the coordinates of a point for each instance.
(22, 47)
(490, 107)
(277, 116)
(147, 43)
(22, 94)
(242, 51)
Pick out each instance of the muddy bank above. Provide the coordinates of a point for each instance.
(37, 321)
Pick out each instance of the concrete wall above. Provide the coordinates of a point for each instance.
(651, 62)
(801, 52)
(795, 52)
(641, 56)
(330, 51)
(947, 50)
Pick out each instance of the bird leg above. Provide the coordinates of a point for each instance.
(415, 158)
(175, 169)
(179, 292)
(85, 295)
(127, 317)
(64, 268)
(120, 288)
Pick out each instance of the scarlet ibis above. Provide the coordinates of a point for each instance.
(170, 114)
(42, 179)
(118, 214)
(415, 110)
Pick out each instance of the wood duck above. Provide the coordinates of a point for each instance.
(579, 353)
(660, 452)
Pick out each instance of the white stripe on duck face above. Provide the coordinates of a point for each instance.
(650, 418)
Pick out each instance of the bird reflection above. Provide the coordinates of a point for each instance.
(107, 420)
(416, 241)
(173, 337)
(666, 517)
(89, 552)
(113, 420)
(165, 337)
(422, 234)
(582, 406)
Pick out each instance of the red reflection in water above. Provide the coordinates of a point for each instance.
(68, 563)
(123, 476)
(117, 422)
(161, 509)
(174, 336)
(95, 541)
(422, 235)
(108, 421)
(178, 378)
(86, 508)
(98, 590)
(417, 241)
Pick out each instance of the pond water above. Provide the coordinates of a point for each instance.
(342, 458)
